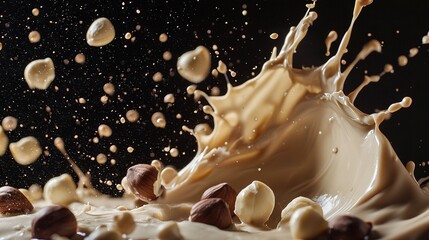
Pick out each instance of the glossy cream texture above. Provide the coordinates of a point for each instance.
(298, 133)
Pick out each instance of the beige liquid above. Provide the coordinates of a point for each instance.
(295, 131)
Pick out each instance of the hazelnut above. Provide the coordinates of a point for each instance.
(169, 231)
(52, 220)
(307, 223)
(60, 190)
(12, 201)
(254, 204)
(296, 204)
(224, 191)
(349, 228)
(212, 211)
(124, 223)
(143, 179)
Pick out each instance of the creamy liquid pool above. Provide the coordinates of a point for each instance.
(297, 132)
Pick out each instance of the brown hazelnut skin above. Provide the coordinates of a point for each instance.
(141, 178)
(53, 219)
(224, 191)
(212, 211)
(349, 228)
(12, 201)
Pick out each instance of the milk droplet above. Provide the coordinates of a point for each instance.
(113, 148)
(163, 37)
(167, 56)
(26, 150)
(101, 32)
(157, 77)
(413, 52)
(9, 123)
(425, 39)
(402, 60)
(39, 73)
(158, 120)
(274, 35)
(215, 91)
(34, 36)
(35, 12)
(104, 99)
(221, 67)
(191, 89)
(104, 130)
(101, 158)
(132, 115)
(128, 36)
(4, 140)
(388, 68)
(109, 89)
(332, 37)
(174, 152)
(194, 65)
(169, 98)
(80, 58)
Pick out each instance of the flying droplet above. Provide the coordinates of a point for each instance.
(100, 33)
(39, 73)
(194, 65)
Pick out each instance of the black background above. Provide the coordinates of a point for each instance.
(244, 44)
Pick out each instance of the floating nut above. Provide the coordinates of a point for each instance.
(60, 190)
(212, 211)
(52, 220)
(169, 231)
(306, 223)
(224, 191)
(194, 65)
(255, 203)
(100, 33)
(12, 201)
(296, 204)
(349, 228)
(142, 179)
(124, 223)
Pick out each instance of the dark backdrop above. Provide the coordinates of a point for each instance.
(243, 42)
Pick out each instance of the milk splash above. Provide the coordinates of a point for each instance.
(296, 131)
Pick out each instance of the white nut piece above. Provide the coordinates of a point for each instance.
(254, 204)
(295, 204)
(124, 223)
(307, 223)
(101, 233)
(60, 190)
(169, 231)
(126, 185)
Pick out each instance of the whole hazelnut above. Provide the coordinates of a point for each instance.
(52, 220)
(307, 223)
(142, 179)
(254, 204)
(212, 211)
(349, 228)
(224, 191)
(13, 201)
